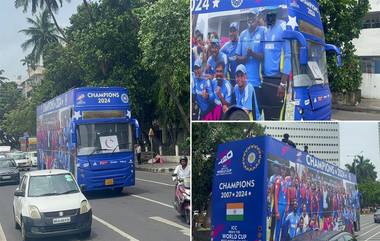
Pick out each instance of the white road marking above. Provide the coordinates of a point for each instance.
(372, 236)
(117, 230)
(151, 200)
(368, 231)
(185, 230)
(367, 226)
(2, 234)
(161, 183)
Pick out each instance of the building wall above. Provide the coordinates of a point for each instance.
(370, 86)
(322, 138)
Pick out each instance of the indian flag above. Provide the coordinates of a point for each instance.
(235, 212)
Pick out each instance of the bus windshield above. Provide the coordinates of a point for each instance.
(104, 138)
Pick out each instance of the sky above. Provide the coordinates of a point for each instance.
(12, 20)
(359, 137)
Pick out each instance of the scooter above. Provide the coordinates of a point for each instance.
(182, 197)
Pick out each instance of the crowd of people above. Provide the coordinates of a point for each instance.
(250, 71)
(300, 201)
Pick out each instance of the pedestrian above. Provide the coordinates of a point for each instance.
(250, 52)
(245, 93)
(306, 149)
(288, 141)
(276, 67)
(138, 153)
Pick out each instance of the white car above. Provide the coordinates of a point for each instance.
(32, 157)
(23, 163)
(49, 203)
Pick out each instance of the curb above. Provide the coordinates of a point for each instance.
(356, 108)
(156, 169)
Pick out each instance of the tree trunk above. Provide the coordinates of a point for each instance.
(55, 21)
(185, 117)
(85, 3)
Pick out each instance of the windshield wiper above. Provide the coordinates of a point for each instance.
(47, 194)
(69, 191)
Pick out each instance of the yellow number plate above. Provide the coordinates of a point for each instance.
(108, 182)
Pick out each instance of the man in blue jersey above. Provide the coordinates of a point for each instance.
(216, 57)
(244, 93)
(229, 49)
(276, 67)
(222, 92)
(202, 92)
(292, 221)
(250, 52)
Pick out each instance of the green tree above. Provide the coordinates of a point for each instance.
(10, 96)
(342, 23)
(41, 33)
(370, 193)
(51, 5)
(363, 169)
(164, 41)
(1, 76)
(205, 140)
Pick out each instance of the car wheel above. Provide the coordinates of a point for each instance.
(86, 234)
(23, 232)
(16, 225)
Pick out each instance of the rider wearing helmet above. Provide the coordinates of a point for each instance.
(182, 171)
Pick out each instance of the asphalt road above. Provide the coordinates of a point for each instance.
(141, 213)
(349, 115)
(369, 230)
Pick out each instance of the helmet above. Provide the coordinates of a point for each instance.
(183, 158)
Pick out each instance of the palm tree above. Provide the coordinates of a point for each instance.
(2, 77)
(51, 5)
(363, 168)
(42, 33)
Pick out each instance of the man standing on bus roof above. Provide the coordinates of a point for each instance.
(202, 92)
(245, 93)
(250, 51)
(229, 49)
(277, 66)
(216, 57)
(222, 92)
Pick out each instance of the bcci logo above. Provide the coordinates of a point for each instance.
(124, 98)
(252, 157)
(236, 3)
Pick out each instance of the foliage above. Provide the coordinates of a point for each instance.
(9, 97)
(164, 38)
(41, 33)
(364, 170)
(205, 139)
(342, 23)
(371, 193)
(2, 77)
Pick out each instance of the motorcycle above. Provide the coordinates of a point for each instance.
(182, 197)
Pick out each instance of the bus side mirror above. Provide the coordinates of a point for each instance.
(294, 35)
(331, 47)
(137, 128)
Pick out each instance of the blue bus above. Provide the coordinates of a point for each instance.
(90, 132)
(282, 45)
(264, 189)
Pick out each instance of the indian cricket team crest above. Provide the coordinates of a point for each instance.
(236, 3)
(252, 157)
(124, 98)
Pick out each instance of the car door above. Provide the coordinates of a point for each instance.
(18, 200)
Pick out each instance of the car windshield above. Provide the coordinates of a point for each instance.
(378, 211)
(7, 163)
(50, 185)
(104, 138)
(18, 156)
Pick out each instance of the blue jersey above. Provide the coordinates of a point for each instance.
(244, 97)
(254, 41)
(292, 219)
(213, 61)
(225, 89)
(198, 87)
(277, 53)
(229, 49)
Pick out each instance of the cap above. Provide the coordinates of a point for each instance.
(215, 41)
(241, 68)
(234, 25)
(198, 63)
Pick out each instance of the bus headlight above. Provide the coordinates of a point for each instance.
(34, 212)
(84, 207)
